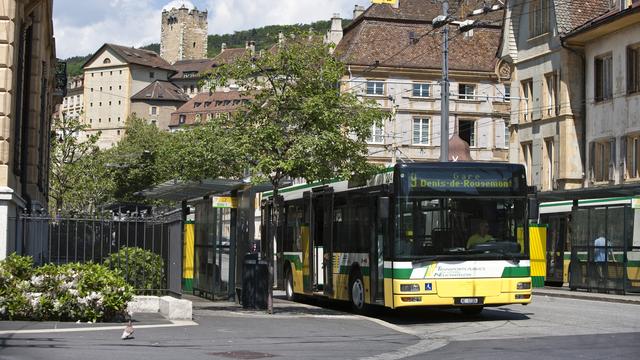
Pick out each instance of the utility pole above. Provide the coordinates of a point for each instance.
(394, 146)
(444, 86)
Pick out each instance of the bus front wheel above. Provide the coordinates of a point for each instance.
(288, 285)
(356, 292)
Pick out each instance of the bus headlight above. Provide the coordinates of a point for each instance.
(409, 287)
(524, 286)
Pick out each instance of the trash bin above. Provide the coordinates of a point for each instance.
(255, 274)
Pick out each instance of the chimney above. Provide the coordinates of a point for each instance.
(334, 35)
(357, 11)
(223, 47)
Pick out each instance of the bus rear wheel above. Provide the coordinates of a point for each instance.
(471, 310)
(356, 292)
(288, 285)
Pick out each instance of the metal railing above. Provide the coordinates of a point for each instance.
(93, 238)
(605, 268)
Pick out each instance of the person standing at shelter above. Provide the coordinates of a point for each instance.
(600, 252)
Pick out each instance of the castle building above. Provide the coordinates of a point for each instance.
(183, 32)
(111, 77)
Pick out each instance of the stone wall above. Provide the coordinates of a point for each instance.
(27, 71)
(183, 35)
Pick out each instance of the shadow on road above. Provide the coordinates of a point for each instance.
(411, 316)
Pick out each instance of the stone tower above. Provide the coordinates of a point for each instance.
(183, 32)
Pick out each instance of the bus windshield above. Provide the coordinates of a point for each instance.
(460, 228)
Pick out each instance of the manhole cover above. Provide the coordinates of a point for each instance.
(242, 355)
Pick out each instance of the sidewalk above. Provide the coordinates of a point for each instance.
(280, 306)
(632, 298)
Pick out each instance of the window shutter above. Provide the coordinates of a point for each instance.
(592, 160)
(612, 159)
(630, 72)
(598, 78)
(623, 156)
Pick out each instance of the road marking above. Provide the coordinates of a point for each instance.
(174, 323)
(423, 346)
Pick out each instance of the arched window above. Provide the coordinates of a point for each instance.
(106, 61)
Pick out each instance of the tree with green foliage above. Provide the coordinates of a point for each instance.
(134, 163)
(92, 185)
(197, 152)
(67, 151)
(297, 123)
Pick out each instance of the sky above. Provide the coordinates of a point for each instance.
(81, 27)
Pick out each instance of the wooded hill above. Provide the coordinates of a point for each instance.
(265, 37)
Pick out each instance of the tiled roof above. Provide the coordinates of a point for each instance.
(161, 91)
(382, 37)
(199, 66)
(135, 56)
(208, 103)
(571, 14)
(230, 55)
(421, 10)
(609, 16)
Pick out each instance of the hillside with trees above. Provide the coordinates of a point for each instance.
(265, 37)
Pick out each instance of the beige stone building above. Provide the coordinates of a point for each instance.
(391, 61)
(73, 103)
(183, 32)
(157, 102)
(547, 118)
(610, 45)
(27, 80)
(111, 77)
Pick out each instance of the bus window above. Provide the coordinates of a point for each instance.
(450, 227)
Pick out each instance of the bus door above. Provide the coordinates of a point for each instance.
(380, 215)
(556, 240)
(308, 282)
(323, 239)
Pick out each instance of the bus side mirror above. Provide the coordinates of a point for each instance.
(533, 209)
(383, 208)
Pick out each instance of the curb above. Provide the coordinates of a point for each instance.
(586, 296)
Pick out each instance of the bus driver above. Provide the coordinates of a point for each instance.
(481, 236)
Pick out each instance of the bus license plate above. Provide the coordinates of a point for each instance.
(469, 301)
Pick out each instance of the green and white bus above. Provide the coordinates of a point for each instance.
(402, 240)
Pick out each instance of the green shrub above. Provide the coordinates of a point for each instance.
(86, 292)
(141, 268)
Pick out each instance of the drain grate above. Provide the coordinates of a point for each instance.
(242, 355)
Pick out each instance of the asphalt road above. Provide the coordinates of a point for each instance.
(549, 328)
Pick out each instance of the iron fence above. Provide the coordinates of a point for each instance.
(62, 240)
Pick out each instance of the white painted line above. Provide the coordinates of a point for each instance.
(174, 323)
(423, 346)
(391, 326)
